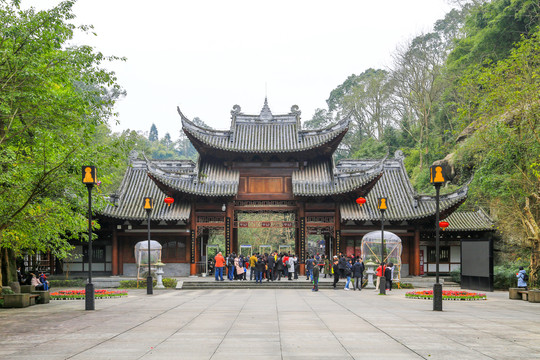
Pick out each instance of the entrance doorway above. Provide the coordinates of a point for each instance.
(266, 231)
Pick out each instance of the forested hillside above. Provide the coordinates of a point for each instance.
(465, 94)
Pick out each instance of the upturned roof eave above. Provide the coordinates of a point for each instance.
(198, 137)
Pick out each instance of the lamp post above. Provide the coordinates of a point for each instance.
(437, 178)
(148, 206)
(89, 179)
(382, 205)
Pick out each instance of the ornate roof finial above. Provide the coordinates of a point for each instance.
(266, 114)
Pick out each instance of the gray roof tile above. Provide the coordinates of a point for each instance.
(127, 203)
(204, 179)
(320, 178)
(469, 221)
(403, 202)
(264, 133)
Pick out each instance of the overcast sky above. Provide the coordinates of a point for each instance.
(206, 56)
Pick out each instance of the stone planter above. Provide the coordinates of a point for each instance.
(513, 293)
(27, 288)
(44, 296)
(534, 296)
(16, 300)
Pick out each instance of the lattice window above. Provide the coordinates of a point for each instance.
(312, 230)
(257, 203)
(210, 219)
(320, 219)
(201, 228)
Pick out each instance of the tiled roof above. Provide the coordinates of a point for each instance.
(127, 203)
(403, 202)
(321, 178)
(264, 133)
(203, 179)
(469, 221)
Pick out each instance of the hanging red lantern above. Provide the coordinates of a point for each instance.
(169, 201)
(361, 201)
(444, 224)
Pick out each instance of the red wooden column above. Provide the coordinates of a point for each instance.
(414, 258)
(229, 228)
(193, 242)
(302, 237)
(337, 222)
(114, 255)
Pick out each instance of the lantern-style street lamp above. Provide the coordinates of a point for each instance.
(382, 204)
(437, 178)
(148, 206)
(89, 178)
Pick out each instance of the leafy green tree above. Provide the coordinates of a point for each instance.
(53, 99)
(505, 148)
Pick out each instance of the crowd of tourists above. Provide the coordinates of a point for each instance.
(274, 266)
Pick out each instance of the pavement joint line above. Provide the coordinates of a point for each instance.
(279, 326)
(230, 327)
(325, 324)
(127, 330)
(375, 326)
(180, 328)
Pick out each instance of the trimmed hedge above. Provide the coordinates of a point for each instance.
(130, 284)
(67, 283)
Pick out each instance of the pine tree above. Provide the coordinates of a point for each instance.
(153, 136)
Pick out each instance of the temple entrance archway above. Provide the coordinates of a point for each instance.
(266, 231)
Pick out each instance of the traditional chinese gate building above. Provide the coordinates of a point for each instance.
(267, 167)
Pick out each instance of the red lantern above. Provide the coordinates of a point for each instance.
(361, 201)
(444, 224)
(169, 201)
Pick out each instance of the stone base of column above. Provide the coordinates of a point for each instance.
(437, 297)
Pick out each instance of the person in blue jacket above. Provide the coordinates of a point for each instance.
(521, 278)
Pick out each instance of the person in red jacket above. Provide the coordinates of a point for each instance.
(380, 273)
(219, 262)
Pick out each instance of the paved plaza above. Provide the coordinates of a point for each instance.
(272, 324)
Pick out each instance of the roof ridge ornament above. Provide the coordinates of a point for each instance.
(266, 114)
(236, 110)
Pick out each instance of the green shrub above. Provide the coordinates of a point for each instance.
(456, 275)
(403, 286)
(504, 275)
(67, 283)
(170, 283)
(130, 284)
(7, 291)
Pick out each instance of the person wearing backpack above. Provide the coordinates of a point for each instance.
(522, 278)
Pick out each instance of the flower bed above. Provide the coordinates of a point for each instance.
(447, 295)
(80, 294)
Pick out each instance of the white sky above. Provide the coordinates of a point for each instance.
(206, 56)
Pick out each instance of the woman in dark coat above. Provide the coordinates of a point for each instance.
(279, 267)
(388, 276)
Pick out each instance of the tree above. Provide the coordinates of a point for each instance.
(417, 75)
(505, 148)
(153, 136)
(53, 99)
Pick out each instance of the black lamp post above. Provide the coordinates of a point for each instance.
(148, 206)
(437, 178)
(382, 204)
(89, 178)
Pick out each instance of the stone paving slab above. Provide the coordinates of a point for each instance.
(272, 324)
